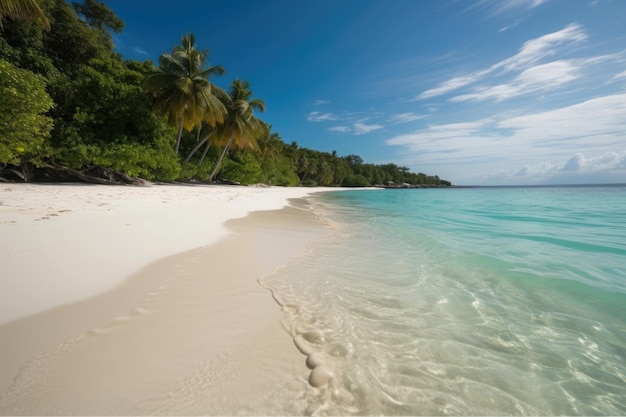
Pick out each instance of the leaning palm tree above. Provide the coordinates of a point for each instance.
(23, 9)
(270, 144)
(241, 129)
(205, 131)
(183, 91)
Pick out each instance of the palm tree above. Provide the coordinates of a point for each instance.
(241, 129)
(23, 9)
(183, 90)
(270, 144)
(324, 172)
(205, 131)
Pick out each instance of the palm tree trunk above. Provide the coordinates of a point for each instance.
(194, 150)
(180, 133)
(219, 161)
(208, 145)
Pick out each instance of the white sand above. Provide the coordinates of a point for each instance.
(193, 333)
(64, 243)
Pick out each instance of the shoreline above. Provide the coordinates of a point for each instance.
(53, 352)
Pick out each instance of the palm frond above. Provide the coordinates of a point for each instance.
(182, 88)
(23, 9)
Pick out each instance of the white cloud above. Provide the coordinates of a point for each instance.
(609, 167)
(620, 75)
(537, 78)
(361, 128)
(405, 117)
(511, 26)
(504, 5)
(497, 7)
(316, 116)
(530, 54)
(524, 145)
(140, 50)
(605, 162)
(577, 166)
(320, 102)
(451, 85)
(575, 163)
(536, 49)
(441, 137)
(341, 129)
(600, 118)
(357, 128)
(557, 72)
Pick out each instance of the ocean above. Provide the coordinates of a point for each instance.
(463, 301)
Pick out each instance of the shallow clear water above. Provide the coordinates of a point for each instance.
(478, 301)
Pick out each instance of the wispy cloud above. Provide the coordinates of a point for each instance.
(405, 117)
(362, 128)
(601, 118)
(356, 123)
(140, 51)
(340, 129)
(452, 84)
(316, 116)
(537, 78)
(529, 55)
(506, 5)
(497, 7)
(511, 26)
(320, 102)
(536, 49)
(508, 142)
(356, 128)
(620, 75)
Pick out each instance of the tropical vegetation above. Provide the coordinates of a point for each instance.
(74, 109)
(23, 9)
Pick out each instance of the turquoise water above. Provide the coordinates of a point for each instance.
(477, 301)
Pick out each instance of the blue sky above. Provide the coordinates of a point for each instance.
(480, 92)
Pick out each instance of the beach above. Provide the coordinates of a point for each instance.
(211, 300)
(147, 300)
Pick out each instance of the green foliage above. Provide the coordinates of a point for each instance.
(138, 160)
(188, 172)
(112, 123)
(74, 153)
(99, 16)
(241, 129)
(243, 168)
(71, 43)
(102, 116)
(108, 104)
(355, 180)
(195, 172)
(278, 171)
(24, 129)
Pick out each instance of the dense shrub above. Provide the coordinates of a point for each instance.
(24, 129)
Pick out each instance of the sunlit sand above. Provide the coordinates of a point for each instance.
(126, 300)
